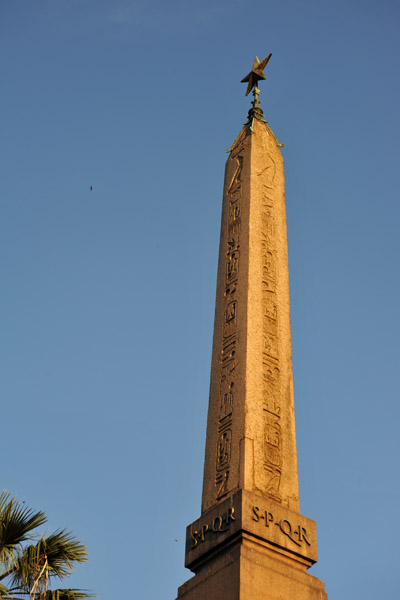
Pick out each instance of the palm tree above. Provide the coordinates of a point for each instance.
(30, 562)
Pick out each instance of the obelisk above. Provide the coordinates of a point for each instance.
(251, 542)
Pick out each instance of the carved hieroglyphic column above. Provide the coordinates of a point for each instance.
(251, 434)
(251, 542)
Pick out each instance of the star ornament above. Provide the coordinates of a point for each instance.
(256, 73)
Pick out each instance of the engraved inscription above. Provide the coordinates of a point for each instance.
(230, 319)
(270, 344)
(228, 355)
(273, 439)
(226, 401)
(231, 310)
(236, 181)
(221, 480)
(267, 175)
(270, 314)
(296, 534)
(218, 525)
(232, 265)
(272, 480)
(270, 403)
(224, 450)
(269, 267)
(234, 211)
(271, 371)
(270, 339)
(268, 227)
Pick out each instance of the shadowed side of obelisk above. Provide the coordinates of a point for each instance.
(223, 471)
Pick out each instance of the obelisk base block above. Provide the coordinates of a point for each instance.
(249, 570)
(249, 547)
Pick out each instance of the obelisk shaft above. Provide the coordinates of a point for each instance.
(251, 542)
(251, 431)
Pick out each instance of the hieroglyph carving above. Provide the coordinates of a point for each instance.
(270, 352)
(229, 329)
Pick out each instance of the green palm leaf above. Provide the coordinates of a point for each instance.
(68, 594)
(16, 525)
(4, 591)
(28, 569)
(61, 594)
(63, 551)
(52, 556)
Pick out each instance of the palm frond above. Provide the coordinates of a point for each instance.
(52, 556)
(59, 594)
(63, 551)
(68, 594)
(16, 526)
(28, 568)
(4, 591)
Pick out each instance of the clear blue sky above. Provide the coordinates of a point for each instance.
(107, 297)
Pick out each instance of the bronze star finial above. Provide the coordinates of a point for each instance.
(256, 73)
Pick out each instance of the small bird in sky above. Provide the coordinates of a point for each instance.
(91, 188)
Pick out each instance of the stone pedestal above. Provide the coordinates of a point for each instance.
(249, 570)
(249, 547)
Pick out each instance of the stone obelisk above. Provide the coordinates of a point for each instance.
(251, 542)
